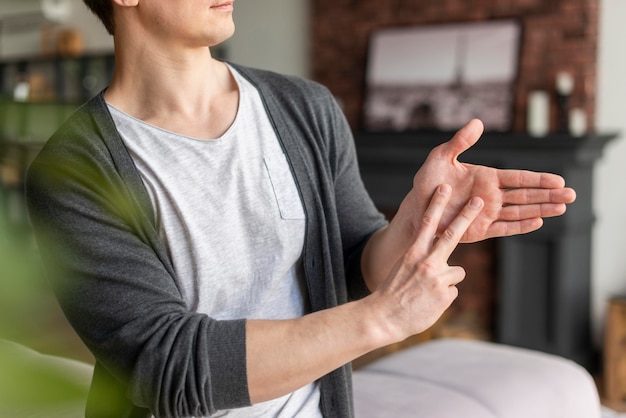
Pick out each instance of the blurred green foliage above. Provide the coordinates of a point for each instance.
(33, 384)
(32, 121)
(21, 281)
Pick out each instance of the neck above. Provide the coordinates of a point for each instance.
(186, 91)
(149, 82)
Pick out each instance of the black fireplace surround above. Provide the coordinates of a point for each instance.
(544, 278)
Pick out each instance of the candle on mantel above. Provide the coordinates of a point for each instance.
(564, 88)
(577, 122)
(564, 83)
(538, 116)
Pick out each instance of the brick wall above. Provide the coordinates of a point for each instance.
(558, 35)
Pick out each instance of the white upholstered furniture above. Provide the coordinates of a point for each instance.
(470, 379)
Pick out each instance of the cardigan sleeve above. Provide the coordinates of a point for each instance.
(116, 286)
(358, 216)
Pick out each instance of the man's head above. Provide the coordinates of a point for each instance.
(104, 10)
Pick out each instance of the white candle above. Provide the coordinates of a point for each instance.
(564, 84)
(538, 116)
(21, 92)
(577, 122)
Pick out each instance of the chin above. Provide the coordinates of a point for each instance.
(223, 34)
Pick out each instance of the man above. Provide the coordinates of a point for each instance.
(212, 243)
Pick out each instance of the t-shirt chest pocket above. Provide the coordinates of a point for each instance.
(284, 188)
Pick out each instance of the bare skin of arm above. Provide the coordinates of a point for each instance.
(418, 289)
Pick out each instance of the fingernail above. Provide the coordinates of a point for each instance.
(476, 202)
(444, 189)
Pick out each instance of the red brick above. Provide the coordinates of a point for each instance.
(558, 36)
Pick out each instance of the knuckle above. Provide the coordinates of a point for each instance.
(412, 256)
(440, 282)
(449, 234)
(426, 268)
(469, 213)
(427, 220)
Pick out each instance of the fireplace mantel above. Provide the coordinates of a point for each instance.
(543, 277)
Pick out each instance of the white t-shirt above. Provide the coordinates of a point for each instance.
(231, 216)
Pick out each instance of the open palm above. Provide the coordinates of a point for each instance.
(515, 200)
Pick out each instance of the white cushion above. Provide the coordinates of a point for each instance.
(452, 378)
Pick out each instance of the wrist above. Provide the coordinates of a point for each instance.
(377, 327)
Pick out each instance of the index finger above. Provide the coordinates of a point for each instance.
(451, 236)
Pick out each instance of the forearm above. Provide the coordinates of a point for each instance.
(382, 251)
(283, 356)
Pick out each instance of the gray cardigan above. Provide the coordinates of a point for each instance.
(114, 279)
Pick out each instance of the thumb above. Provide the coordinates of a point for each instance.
(463, 139)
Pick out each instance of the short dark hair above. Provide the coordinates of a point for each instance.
(104, 10)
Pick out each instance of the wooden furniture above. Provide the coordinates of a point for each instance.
(615, 352)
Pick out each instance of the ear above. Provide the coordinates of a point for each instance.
(126, 3)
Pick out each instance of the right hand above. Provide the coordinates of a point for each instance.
(421, 285)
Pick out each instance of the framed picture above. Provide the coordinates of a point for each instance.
(438, 77)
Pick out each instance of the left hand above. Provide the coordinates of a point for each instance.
(515, 200)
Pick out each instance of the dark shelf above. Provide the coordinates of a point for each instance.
(39, 58)
(489, 141)
(70, 78)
